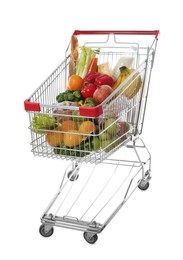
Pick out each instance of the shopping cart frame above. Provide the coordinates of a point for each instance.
(92, 228)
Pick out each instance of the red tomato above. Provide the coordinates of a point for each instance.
(88, 90)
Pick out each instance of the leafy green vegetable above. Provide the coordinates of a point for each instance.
(41, 122)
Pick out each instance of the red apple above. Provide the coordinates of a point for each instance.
(101, 93)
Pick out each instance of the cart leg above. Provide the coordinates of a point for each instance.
(73, 173)
(146, 176)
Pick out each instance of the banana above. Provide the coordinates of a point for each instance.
(132, 86)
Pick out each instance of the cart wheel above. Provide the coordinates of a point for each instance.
(143, 186)
(74, 177)
(44, 232)
(90, 238)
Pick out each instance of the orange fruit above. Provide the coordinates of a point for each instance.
(72, 139)
(68, 125)
(54, 138)
(87, 127)
(75, 83)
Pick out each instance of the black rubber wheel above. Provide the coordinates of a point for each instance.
(90, 239)
(45, 233)
(141, 186)
(74, 176)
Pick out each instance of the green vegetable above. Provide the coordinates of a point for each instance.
(69, 95)
(81, 102)
(84, 60)
(60, 97)
(66, 151)
(41, 122)
(90, 102)
(77, 95)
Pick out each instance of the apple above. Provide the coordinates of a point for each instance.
(112, 127)
(95, 143)
(124, 127)
(101, 93)
(104, 136)
(106, 146)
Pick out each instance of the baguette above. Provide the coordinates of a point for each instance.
(73, 55)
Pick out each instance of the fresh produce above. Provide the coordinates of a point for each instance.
(90, 77)
(106, 145)
(76, 116)
(95, 143)
(68, 125)
(72, 139)
(104, 68)
(112, 128)
(87, 127)
(132, 87)
(93, 66)
(43, 122)
(104, 79)
(104, 136)
(90, 102)
(80, 150)
(101, 93)
(69, 96)
(54, 138)
(75, 82)
(124, 127)
(87, 90)
(86, 56)
(122, 61)
(60, 113)
(77, 95)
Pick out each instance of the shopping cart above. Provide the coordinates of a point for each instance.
(107, 158)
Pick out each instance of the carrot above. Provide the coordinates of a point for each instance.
(93, 65)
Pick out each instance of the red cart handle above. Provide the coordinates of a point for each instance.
(155, 32)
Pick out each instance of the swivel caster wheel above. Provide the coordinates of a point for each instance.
(90, 238)
(45, 230)
(143, 185)
(71, 176)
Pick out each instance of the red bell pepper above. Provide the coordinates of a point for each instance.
(90, 77)
(104, 79)
(87, 90)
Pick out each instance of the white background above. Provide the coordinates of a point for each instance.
(33, 37)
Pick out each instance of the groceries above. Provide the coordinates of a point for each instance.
(41, 123)
(86, 56)
(131, 88)
(101, 93)
(89, 83)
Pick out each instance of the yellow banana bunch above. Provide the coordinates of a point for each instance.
(132, 86)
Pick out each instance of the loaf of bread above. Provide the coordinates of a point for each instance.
(73, 55)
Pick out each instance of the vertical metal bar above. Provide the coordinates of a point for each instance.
(141, 163)
(143, 112)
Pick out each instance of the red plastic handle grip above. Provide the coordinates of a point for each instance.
(31, 106)
(155, 32)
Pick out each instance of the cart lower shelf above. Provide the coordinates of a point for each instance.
(89, 193)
